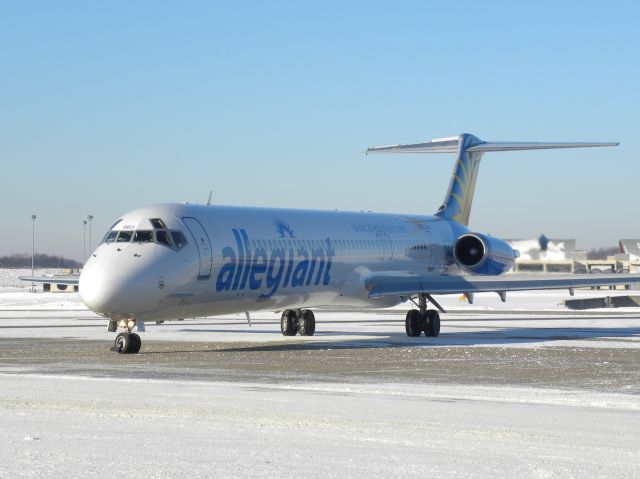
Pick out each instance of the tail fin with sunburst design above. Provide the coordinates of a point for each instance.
(459, 198)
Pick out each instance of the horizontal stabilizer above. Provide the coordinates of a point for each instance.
(440, 145)
(451, 145)
(523, 145)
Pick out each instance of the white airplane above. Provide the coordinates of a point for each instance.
(180, 260)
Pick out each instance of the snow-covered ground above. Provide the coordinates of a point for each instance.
(76, 425)
(71, 427)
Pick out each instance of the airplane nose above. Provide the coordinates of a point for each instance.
(102, 290)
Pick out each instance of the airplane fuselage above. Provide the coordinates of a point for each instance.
(240, 259)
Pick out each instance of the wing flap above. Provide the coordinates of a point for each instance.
(405, 285)
(70, 280)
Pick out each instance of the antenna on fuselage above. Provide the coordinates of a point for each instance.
(210, 195)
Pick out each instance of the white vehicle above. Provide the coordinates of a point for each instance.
(180, 260)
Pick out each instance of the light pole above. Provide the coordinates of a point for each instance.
(84, 242)
(90, 218)
(33, 250)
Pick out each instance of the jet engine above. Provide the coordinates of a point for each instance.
(480, 254)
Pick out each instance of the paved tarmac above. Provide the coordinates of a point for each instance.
(531, 341)
(602, 369)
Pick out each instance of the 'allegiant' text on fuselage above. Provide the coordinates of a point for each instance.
(293, 266)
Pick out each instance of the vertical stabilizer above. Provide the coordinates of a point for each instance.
(459, 197)
(457, 202)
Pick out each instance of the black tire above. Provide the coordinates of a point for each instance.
(136, 343)
(433, 323)
(307, 323)
(412, 323)
(123, 343)
(423, 324)
(289, 323)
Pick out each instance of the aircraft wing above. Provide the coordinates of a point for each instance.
(70, 279)
(389, 284)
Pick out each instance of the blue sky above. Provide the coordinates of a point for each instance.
(107, 106)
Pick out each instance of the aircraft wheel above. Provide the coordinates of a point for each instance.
(289, 323)
(123, 343)
(433, 323)
(136, 343)
(412, 323)
(307, 323)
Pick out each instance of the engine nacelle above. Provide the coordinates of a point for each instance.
(481, 254)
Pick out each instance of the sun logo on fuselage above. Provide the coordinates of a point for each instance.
(283, 229)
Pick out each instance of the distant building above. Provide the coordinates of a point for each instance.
(630, 247)
(561, 256)
(555, 249)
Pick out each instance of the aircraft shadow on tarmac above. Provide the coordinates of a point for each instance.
(488, 337)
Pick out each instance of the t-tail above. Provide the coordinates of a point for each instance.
(459, 198)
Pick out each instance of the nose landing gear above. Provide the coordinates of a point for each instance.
(126, 342)
(300, 321)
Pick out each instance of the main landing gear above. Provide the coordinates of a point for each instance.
(422, 319)
(298, 321)
(126, 342)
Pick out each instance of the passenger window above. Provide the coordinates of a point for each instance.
(158, 224)
(162, 237)
(178, 239)
(111, 237)
(124, 236)
(142, 237)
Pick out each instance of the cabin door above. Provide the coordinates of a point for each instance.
(203, 244)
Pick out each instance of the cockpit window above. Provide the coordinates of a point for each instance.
(175, 240)
(178, 239)
(162, 237)
(158, 224)
(111, 237)
(143, 237)
(107, 238)
(124, 236)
